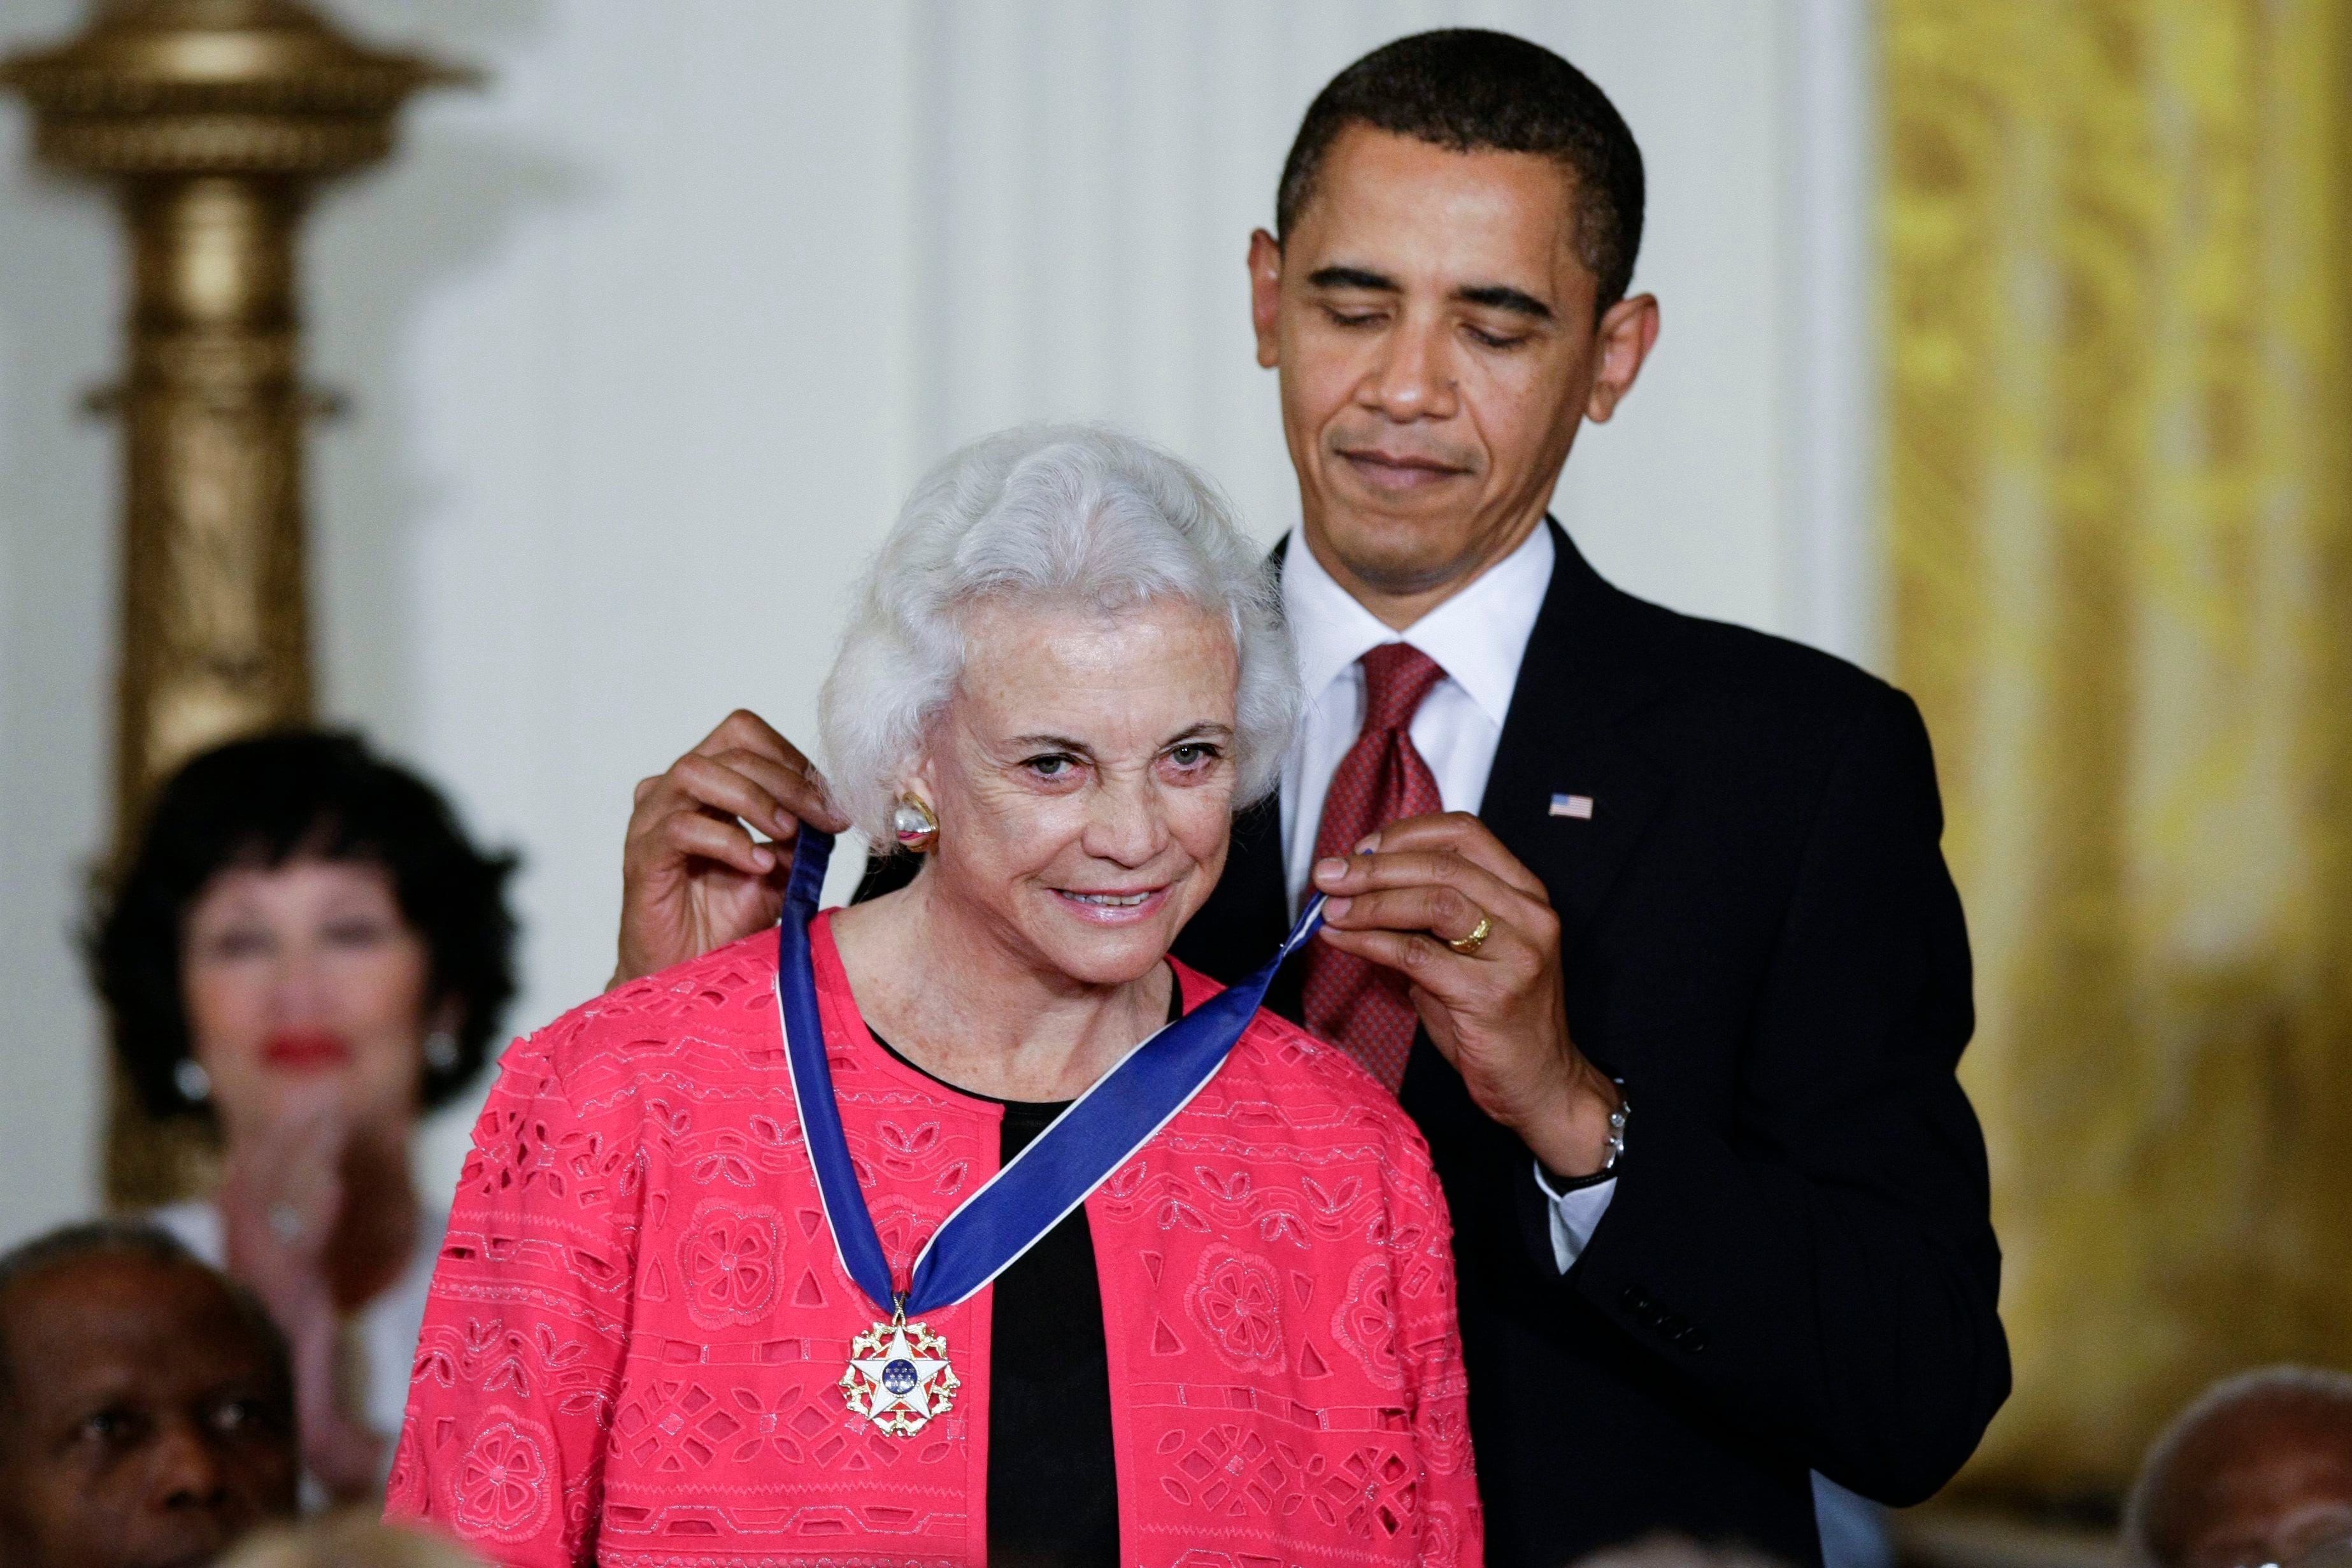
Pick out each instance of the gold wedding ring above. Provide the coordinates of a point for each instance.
(1467, 946)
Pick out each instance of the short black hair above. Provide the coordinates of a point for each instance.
(296, 794)
(69, 1244)
(1470, 90)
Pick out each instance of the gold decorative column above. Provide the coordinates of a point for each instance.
(214, 120)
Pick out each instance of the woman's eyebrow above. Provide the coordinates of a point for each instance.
(1049, 742)
(1205, 727)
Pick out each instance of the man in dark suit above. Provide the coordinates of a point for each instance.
(1643, 917)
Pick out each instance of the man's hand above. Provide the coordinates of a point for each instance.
(692, 876)
(1500, 1015)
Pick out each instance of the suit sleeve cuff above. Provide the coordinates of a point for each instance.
(1574, 1214)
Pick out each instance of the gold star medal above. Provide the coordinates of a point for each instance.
(898, 1376)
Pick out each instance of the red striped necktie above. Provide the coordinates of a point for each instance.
(1360, 1005)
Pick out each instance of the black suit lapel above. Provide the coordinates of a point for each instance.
(1248, 914)
(1586, 669)
(1584, 672)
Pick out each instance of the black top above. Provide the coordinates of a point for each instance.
(1052, 1485)
(1757, 934)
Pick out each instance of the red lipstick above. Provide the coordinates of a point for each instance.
(305, 1050)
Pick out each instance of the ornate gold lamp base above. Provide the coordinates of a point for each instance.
(215, 119)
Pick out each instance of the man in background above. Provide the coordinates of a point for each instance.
(2258, 1471)
(1644, 918)
(146, 1404)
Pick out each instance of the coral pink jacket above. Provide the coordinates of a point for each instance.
(639, 1316)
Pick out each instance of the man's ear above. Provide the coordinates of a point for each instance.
(1265, 295)
(1627, 330)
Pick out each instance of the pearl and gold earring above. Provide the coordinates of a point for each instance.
(918, 828)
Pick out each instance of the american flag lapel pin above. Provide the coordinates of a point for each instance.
(1576, 805)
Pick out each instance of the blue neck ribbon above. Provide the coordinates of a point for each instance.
(1100, 1131)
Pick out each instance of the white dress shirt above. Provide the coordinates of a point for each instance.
(1478, 637)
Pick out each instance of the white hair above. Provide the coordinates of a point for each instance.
(1058, 513)
(2149, 1525)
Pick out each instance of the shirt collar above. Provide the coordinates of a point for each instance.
(1478, 636)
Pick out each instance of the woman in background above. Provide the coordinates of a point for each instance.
(307, 952)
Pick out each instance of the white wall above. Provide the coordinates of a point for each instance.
(645, 340)
(57, 586)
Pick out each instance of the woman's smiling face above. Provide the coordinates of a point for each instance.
(1083, 774)
(305, 985)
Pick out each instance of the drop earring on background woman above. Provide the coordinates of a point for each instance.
(441, 1050)
(194, 1084)
(917, 828)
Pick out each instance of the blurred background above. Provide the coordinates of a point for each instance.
(2006, 352)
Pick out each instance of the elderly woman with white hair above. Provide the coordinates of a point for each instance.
(963, 1225)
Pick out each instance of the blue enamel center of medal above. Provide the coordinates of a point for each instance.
(899, 1377)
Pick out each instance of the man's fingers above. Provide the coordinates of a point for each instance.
(1447, 912)
(718, 786)
(746, 731)
(1399, 907)
(746, 743)
(794, 797)
(816, 804)
(692, 833)
(1385, 869)
(1419, 958)
(802, 795)
(1466, 836)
